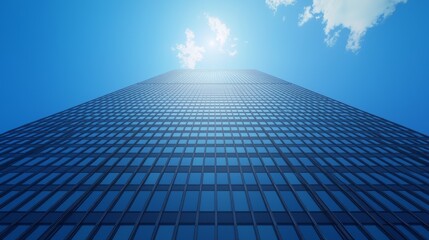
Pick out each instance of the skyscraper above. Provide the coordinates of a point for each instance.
(205, 154)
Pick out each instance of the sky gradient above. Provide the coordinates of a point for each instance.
(57, 54)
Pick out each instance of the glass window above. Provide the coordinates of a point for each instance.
(123, 232)
(37, 233)
(63, 232)
(206, 232)
(194, 178)
(157, 200)
(191, 201)
(401, 200)
(123, 201)
(124, 178)
(144, 232)
(208, 178)
(174, 200)
(278, 179)
(308, 178)
(329, 232)
(225, 232)
(180, 178)
(69, 201)
(223, 201)
(288, 232)
(166, 178)
(139, 201)
(421, 230)
(34, 201)
(308, 201)
(16, 232)
(291, 202)
(93, 178)
(375, 232)
(103, 232)
(291, 178)
(6, 196)
(355, 232)
(246, 232)
(185, 232)
(110, 177)
(48, 203)
(164, 232)
(273, 201)
(308, 232)
(240, 202)
(83, 232)
(266, 232)
(207, 201)
(406, 231)
(151, 179)
(249, 178)
(256, 201)
(263, 178)
(222, 178)
(329, 202)
(106, 201)
(386, 202)
(236, 178)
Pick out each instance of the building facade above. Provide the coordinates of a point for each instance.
(201, 154)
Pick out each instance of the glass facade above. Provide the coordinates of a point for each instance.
(203, 154)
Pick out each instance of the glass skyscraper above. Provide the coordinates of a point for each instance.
(202, 154)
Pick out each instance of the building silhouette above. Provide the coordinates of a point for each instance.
(205, 154)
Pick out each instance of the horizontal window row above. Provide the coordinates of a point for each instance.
(239, 201)
(208, 232)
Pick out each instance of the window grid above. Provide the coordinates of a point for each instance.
(198, 154)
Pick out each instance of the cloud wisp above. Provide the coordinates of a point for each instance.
(223, 41)
(189, 53)
(357, 16)
(275, 4)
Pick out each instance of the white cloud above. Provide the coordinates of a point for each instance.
(220, 29)
(355, 15)
(274, 4)
(189, 53)
(305, 16)
(222, 43)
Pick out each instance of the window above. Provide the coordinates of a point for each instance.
(123, 232)
(226, 232)
(266, 232)
(207, 201)
(206, 232)
(67, 203)
(288, 232)
(223, 201)
(246, 232)
(375, 232)
(273, 201)
(191, 201)
(308, 232)
(240, 202)
(83, 232)
(308, 201)
(164, 232)
(185, 232)
(157, 200)
(144, 231)
(106, 201)
(174, 201)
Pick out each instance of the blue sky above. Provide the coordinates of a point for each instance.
(371, 54)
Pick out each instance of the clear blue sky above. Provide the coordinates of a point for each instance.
(57, 54)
